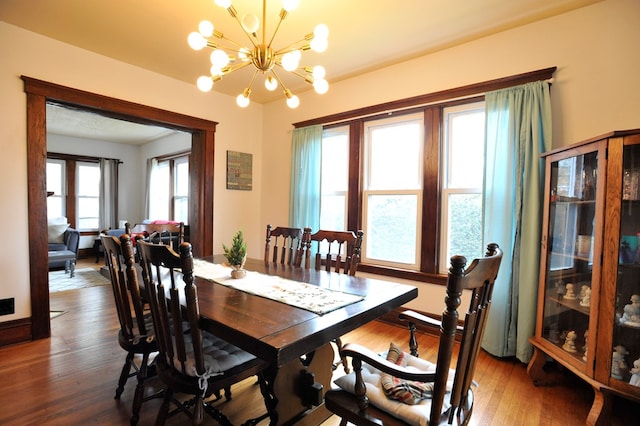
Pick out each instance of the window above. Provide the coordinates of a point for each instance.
(418, 194)
(181, 190)
(56, 188)
(462, 175)
(169, 189)
(392, 195)
(334, 182)
(88, 196)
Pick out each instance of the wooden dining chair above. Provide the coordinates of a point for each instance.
(196, 363)
(165, 232)
(382, 390)
(337, 251)
(136, 335)
(287, 246)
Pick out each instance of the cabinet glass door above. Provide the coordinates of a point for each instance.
(625, 362)
(569, 263)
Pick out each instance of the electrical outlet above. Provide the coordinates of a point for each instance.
(7, 306)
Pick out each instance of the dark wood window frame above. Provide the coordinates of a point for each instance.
(431, 105)
(201, 174)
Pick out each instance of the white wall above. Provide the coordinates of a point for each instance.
(596, 88)
(26, 53)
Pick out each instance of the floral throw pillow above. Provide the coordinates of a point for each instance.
(406, 391)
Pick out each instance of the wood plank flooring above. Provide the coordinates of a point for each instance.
(70, 378)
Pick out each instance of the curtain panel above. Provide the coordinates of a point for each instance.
(108, 198)
(306, 164)
(518, 130)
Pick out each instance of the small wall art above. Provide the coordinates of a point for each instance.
(239, 170)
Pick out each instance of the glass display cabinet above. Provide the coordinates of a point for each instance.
(589, 292)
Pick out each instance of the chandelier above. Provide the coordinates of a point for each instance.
(233, 56)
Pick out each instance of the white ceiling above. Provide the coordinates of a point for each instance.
(364, 34)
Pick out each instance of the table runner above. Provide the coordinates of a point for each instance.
(301, 295)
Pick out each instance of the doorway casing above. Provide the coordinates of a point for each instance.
(201, 172)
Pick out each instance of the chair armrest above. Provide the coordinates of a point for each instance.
(416, 318)
(360, 352)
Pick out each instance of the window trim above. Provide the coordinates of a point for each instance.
(431, 105)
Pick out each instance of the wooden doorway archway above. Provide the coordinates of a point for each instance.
(200, 173)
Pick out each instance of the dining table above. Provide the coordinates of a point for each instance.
(294, 339)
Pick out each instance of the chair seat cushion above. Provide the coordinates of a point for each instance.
(417, 414)
(219, 356)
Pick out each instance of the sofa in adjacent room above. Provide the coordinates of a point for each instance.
(62, 238)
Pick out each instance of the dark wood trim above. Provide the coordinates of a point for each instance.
(431, 190)
(201, 174)
(459, 92)
(16, 331)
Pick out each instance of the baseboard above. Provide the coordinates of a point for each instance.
(17, 331)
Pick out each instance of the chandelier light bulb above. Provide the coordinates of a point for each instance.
(319, 72)
(321, 86)
(205, 28)
(242, 100)
(204, 83)
(196, 41)
(250, 23)
(219, 58)
(290, 61)
(321, 31)
(290, 5)
(293, 102)
(224, 3)
(319, 44)
(270, 83)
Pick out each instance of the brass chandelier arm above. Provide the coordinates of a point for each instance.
(236, 67)
(232, 11)
(283, 14)
(284, 88)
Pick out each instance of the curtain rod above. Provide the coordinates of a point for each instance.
(430, 98)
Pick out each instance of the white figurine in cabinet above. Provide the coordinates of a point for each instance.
(586, 345)
(635, 373)
(569, 294)
(631, 312)
(570, 342)
(618, 364)
(586, 298)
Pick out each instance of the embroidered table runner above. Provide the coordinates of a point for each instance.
(301, 295)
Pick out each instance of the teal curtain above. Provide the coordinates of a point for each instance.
(518, 130)
(306, 157)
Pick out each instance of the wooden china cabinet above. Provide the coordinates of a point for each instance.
(589, 292)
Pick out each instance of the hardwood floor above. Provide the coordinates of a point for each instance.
(70, 379)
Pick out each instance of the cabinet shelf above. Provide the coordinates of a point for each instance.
(573, 304)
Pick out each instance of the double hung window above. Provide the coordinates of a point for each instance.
(169, 189)
(417, 193)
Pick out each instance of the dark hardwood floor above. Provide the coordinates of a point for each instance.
(70, 378)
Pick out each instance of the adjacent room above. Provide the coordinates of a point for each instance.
(308, 204)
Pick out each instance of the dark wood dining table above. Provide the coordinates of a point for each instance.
(295, 341)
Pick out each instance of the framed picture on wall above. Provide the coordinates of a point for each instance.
(239, 170)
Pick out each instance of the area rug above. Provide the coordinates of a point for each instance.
(85, 277)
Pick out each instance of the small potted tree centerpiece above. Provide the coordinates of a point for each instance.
(236, 255)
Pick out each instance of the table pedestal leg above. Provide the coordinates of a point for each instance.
(288, 391)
